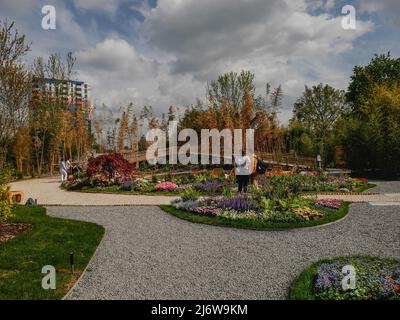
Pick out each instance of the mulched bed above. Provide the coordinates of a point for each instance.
(9, 231)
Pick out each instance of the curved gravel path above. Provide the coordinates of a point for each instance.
(148, 254)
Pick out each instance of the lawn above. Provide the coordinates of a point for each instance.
(48, 242)
(365, 187)
(257, 224)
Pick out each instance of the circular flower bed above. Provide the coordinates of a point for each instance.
(252, 212)
(349, 278)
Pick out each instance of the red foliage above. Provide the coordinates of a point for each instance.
(109, 165)
(362, 180)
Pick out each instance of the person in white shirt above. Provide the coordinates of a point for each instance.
(243, 170)
(64, 171)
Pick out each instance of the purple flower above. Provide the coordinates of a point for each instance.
(238, 204)
(206, 211)
(127, 186)
(210, 187)
(328, 277)
(329, 203)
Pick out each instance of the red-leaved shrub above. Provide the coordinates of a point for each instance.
(110, 165)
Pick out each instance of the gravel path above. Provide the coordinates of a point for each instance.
(148, 254)
(48, 193)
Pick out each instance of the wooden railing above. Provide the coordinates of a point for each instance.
(279, 160)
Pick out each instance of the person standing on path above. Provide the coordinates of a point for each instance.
(243, 171)
(64, 171)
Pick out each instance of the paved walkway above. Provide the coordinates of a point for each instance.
(48, 193)
(386, 192)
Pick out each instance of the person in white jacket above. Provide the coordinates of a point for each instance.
(243, 170)
(64, 170)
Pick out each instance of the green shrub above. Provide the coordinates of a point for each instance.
(189, 195)
(5, 175)
(5, 210)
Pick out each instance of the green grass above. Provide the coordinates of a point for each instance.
(302, 286)
(255, 224)
(365, 187)
(48, 242)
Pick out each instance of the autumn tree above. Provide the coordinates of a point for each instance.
(123, 130)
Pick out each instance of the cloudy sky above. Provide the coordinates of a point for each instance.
(163, 52)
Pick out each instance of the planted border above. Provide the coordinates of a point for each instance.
(302, 286)
(256, 224)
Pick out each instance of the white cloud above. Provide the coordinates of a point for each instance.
(185, 43)
(278, 40)
(390, 8)
(118, 75)
(109, 6)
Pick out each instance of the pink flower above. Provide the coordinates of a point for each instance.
(329, 203)
(166, 186)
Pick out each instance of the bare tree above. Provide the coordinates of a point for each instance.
(15, 84)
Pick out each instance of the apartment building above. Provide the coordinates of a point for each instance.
(74, 94)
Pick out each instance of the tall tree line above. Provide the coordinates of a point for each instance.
(37, 128)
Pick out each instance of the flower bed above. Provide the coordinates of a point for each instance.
(166, 186)
(329, 203)
(112, 174)
(376, 279)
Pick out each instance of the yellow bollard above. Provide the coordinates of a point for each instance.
(15, 197)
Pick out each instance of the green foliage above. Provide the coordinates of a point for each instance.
(382, 70)
(371, 136)
(318, 110)
(5, 175)
(5, 211)
(230, 88)
(189, 195)
(284, 187)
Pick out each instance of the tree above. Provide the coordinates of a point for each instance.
(318, 110)
(371, 137)
(123, 131)
(382, 69)
(15, 84)
(231, 88)
(21, 149)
